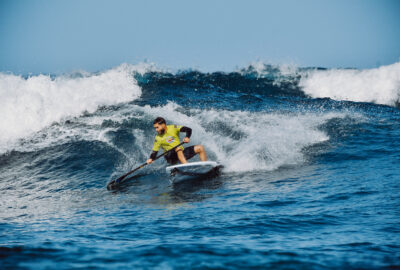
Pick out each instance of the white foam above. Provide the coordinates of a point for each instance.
(29, 105)
(279, 74)
(252, 140)
(379, 85)
(263, 69)
(240, 140)
(264, 141)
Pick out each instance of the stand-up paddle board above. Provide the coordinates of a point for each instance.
(193, 170)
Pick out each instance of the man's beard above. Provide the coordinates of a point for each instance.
(162, 131)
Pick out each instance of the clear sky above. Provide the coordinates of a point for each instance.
(60, 36)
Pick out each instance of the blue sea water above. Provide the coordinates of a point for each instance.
(311, 176)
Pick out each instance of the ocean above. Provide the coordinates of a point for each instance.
(311, 176)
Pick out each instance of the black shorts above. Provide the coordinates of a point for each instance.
(172, 157)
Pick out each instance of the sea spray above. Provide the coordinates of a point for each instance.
(242, 141)
(379, 85)
(30, 104)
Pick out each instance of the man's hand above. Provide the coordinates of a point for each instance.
(149, 161)
(186, 140)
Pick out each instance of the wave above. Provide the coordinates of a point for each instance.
(27, 105)
(242, 141)
(379, 85)
(250, 141)
(30, 104)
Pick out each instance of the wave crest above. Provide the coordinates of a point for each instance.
(380, 85)
(29, 104)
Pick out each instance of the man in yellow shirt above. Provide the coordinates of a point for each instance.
(168, 137)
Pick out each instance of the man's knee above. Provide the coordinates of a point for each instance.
(199, 148)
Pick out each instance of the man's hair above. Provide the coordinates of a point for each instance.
(159, 120)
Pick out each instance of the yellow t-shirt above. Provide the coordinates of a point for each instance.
(169, 139)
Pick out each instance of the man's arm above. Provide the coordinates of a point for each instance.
(152, 157)
(153, 154)
(188, 131)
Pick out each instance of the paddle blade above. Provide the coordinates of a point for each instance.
(112, 185)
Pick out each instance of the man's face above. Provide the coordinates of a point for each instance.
(160, 128)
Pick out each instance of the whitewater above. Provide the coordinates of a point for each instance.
(311, 169)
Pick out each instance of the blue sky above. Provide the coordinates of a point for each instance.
(62, 36)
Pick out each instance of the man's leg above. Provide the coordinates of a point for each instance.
(199, 149)
(181, 156)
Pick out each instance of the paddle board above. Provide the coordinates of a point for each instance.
(192, 170)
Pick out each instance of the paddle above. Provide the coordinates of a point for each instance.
(114, 183)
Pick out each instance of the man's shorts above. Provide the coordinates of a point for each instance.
(172, 157)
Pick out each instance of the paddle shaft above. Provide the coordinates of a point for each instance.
(144, 164)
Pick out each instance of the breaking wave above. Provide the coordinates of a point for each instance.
(379, 85)
(27, 105)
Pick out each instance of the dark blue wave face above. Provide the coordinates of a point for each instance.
(308, 183)
(215, 90)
